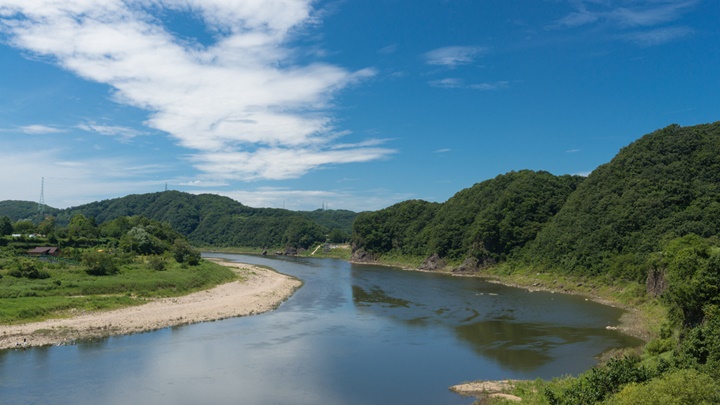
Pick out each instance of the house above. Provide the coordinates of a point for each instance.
(44, 251)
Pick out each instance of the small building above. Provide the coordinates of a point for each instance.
(44, 251)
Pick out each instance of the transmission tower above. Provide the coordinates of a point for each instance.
(41, 203)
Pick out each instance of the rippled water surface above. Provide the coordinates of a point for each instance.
(353, 334)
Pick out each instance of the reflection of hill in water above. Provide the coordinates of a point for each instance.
(376, 296)
(518, 346)
(520, 331)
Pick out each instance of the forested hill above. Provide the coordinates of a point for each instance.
(488, 221)
(209, 219)
(25, 210)
(664, 185)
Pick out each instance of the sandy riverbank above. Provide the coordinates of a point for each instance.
(261, 290)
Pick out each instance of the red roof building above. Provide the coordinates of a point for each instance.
(44, 251)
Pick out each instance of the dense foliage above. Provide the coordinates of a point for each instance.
(488, 221)
(96, 267)
(205, 219)
(664, 185)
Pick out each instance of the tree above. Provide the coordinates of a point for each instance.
(82, 227)
(138, 240)
(6, 227)
(99, 263)
(24, 227)
(184, 253)
(47, 226)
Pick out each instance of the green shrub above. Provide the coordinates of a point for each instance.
(700, 346)
(156, 263)
(657, 346)
(99, 263)
(28, 269)
(184, 253)
(600, 382)
(674, 388)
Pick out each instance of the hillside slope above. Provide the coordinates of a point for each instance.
(488, 221)
(664, 185)
(206, 219)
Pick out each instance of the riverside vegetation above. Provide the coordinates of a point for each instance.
(120, 263)
(641, 230)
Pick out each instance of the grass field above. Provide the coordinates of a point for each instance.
(70, 289)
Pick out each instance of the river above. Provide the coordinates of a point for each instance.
(353, 334)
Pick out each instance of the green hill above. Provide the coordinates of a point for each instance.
(488, 221)
(662, 186)
(207, 219)
(25, 210)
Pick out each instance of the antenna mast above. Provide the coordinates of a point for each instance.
(41, 203)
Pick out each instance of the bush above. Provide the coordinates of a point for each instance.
(600, 382)
(677, 387)
(184, 253)
(156, 263)
(700, 346)
(99, 263)
(28, 269)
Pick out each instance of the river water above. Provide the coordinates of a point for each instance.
(353, 334)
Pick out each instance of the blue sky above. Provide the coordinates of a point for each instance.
(355, 104)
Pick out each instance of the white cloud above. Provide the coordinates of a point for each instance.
(309, 200)
(444, 150)
(201, 183)
(658, 36)
(489, 86)
(240, 103)
(38, 129)
(279, 163)
(452, 56)
(639, 13)
(72, 182)
(125, 134)
(455, 83)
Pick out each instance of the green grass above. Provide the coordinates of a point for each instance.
(70, 289)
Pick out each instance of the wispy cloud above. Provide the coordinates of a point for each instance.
(444, 150)
(123, 133)
(308, 200)
(651, 21)
(241, 99)
(452, 56)
(388, 50)
(572, 151)
(456, 83)
(39, 129)
(658, 36)
(71, 182)
(639, 13)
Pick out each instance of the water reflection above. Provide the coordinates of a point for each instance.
(521, 331)
(518, 346)
(350, 335)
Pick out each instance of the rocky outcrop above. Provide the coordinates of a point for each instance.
(361, 256)
(474, 265)
(433, 263)
(656, 283)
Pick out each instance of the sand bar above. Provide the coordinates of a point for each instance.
(261, 290)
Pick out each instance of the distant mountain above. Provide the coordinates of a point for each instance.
(488, 221)
(25, 210)
(664, 185)
(332, 219)
(208, 219)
